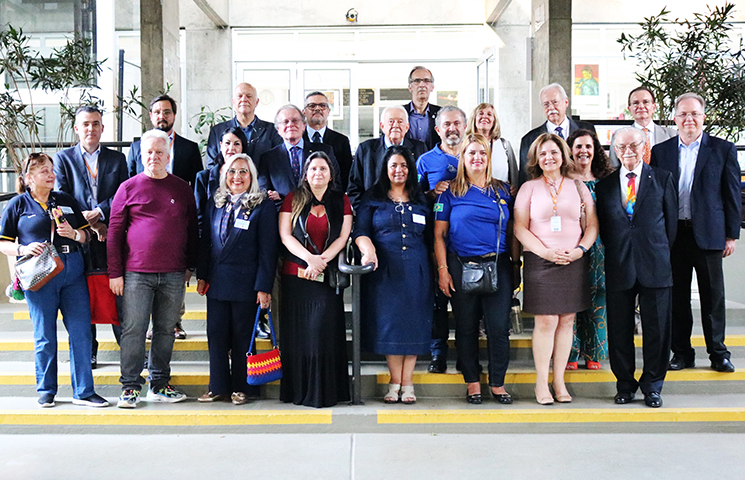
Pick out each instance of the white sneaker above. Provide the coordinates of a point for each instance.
(167, 394)
(128, 399)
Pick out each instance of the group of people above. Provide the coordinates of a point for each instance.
(439, 204)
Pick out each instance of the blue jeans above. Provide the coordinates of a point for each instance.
(159, 294)
(68, 293)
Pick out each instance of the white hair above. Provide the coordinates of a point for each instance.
(638, 135)
(551, 87)
(395, 107)
(154, 133)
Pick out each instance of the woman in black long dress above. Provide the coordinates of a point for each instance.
(314, 224)
(393, 230)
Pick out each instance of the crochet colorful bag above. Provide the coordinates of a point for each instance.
(263, 368)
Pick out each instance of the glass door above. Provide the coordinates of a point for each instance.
(274, 83)
(337, 82)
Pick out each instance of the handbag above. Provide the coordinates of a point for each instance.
(479, 276)
(103, 300)
(335, 278)
(35, 271)
(263, 368)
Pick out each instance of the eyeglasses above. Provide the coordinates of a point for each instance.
(417, 81)
(242, 172)
(633, 146)
(694, 115)
(552, 103)
(319, 106)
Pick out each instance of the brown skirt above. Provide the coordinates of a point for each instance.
(552, 289)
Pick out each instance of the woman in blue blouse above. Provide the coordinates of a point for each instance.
(392, 231)
(473, 224)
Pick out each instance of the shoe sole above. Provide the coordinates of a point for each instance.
(126, 404)
(47, 405)
(159, 399)
(84, 403)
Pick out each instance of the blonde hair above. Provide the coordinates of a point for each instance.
(534, 167)
(496, 129)
(460, 185)
(253, 196)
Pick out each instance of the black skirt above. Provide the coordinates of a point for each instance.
(313, 344)
(552, 289)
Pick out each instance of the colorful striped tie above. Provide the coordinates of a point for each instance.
(630, 194)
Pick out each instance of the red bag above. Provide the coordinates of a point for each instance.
(103, 300)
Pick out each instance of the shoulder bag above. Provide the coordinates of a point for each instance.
(263, 368)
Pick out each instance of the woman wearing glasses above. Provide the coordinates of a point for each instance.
(238, 258)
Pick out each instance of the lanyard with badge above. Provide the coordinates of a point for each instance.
(555, 218)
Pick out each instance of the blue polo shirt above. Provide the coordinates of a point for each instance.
(435, 166)
(475, 220)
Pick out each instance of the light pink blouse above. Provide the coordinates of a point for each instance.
(534, 196)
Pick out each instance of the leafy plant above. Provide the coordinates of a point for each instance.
(207, 118)
(133, 104)
(698, 56)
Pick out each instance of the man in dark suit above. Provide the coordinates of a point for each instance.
(186, 161)
(554, 101)
(708, 178)
(91, 173)
(261, 135)
(369, 158)
(316, 113)
(422, 114)
(642, 107)
(280, 168)
(637, 212)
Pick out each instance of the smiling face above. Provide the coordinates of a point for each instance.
(549, 157)
(316, 111)
(89, 127)
(395, 124)
(485, 121)
(319, 174)
(642, 107)
(230, 145)
(476, 160)
(629, 148)
(162, 116)
(452, 128)
(398, 171)
(583, 150)
(290, 125)
(554, 106)
(689, 117)
(238, 176)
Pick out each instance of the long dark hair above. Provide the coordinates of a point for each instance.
(599, 166)
(238, 132)
(383, 185)
(304, 195)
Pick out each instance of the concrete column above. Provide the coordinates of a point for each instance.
(159, 47)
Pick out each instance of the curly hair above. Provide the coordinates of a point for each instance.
(600, 165)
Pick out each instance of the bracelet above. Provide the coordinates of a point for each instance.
(18, 250)
(77, 236)
(584, 250)
(441, 267)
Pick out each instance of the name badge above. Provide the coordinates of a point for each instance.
(420, 219)
(67, 210)
(555, 224)
(242, 223)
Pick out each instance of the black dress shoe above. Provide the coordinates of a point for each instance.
(438, 364)
(474, 399)
(622, 398)
(94, 362)
(503, 398)
(679, 363)
(724, 366)
(652, 399)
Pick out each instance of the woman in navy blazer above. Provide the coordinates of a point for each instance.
(238, 258)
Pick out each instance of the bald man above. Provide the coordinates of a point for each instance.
(261, 135)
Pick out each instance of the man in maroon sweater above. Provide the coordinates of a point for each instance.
(152, 245)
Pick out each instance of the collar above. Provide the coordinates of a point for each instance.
(288, 145)
(250, 125)
(649, 127)
(693, 144)
(83, 152)
(551, 127)
(388, 143)
(637, 170)
(311, 131)
(412, 109)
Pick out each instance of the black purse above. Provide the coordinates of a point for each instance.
(479, 276)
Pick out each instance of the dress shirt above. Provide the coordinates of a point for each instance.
(625, 181)
(418, 123)
(91, 160)
(301, 146)
(249, 130)
(389, 144)
(650, 132)
(564, 128)
(687, 155)
(171, 137)
(310, 131)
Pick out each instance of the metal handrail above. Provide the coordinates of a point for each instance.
(355, 270)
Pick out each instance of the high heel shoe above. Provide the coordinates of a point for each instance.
(394, 391)
(592, 365)
(549, 400)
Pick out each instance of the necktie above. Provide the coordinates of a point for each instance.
(225, 222)
(647, 148)
(630, 194)
(295, 162)
(317, 138)
(559, 132)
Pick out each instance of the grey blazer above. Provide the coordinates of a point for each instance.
(660, 135)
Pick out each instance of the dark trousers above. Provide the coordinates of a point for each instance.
(468, 311)
(656, 315)
(229, 326)
(686, 256)
(440, 329)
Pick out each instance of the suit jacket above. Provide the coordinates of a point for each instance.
(715, 193)
(660, 135)
(367, 164)
(72, 177)
(530, 137)
(247, 263)
(275, 171)
(263, 139)
(342, 150)
(205, 186)
(638, 249)
(432, 137)
(187, 160)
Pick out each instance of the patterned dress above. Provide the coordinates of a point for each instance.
(590, 333)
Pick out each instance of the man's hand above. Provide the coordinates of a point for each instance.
(92, 216)
(117, 286)
(273, 195)
(729, 248)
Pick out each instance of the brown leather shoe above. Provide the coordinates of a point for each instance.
(211, 397)
(238, 398)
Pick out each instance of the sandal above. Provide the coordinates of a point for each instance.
(572, 365)
(407, 394)
(394, 390)
(592, 365)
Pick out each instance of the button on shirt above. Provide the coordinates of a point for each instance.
(418, 123)
(687, 155)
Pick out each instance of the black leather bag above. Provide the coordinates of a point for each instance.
(480, 277)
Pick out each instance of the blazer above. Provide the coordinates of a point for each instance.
(367, 164)
(638, 249)
(205, 186)
(72, 177)
(187, 160)
(530, 137)
(342, 150)
(715, 193)
(263, 139)
(660, 135)
(275, 172)
(432, 137)
(247, 263)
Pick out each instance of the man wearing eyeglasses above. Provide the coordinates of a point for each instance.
(316, 111)
(708, 178)
(422, 114)
(554, 101)
(643, 107)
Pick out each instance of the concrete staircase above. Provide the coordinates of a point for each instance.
(694, 400)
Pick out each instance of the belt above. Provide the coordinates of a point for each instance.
(68, 248)
(686, 222)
